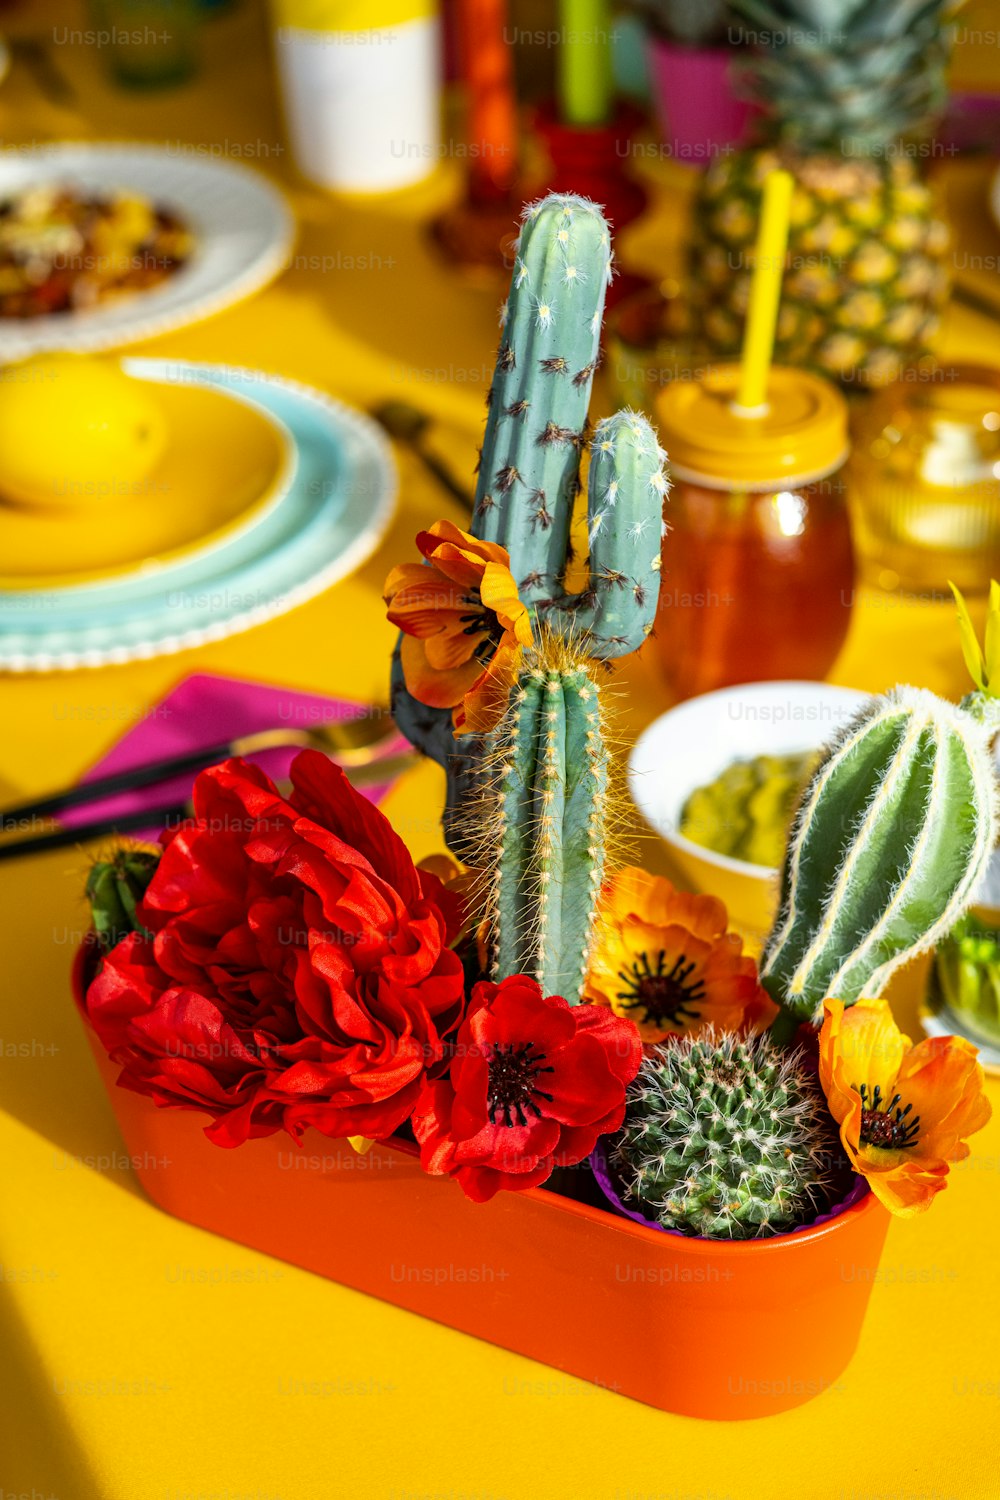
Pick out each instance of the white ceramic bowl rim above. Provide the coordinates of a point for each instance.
(808, 715)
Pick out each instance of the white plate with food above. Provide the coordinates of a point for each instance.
(102, 244)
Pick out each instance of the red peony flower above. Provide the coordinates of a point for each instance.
(533, 1082)
(298, 970)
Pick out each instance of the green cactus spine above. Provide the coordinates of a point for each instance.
(546, 824)
(892, 836)
(115, 888)
(725, 1137)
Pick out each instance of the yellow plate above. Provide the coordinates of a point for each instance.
(226, 463)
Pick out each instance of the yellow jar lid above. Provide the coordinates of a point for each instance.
(799, 436)
(364, 16)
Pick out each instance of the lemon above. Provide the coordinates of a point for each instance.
(76, 431)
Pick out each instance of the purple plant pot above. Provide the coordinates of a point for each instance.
(700, 116)
(602, 1173)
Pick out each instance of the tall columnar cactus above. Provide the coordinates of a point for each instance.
(537, 428)
(892, 837)
(546, 824)
(543, 774)
(536, 433)
(725, 1137)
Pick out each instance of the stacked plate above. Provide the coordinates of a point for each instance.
(269, 493)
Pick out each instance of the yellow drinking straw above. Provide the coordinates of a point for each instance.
(765, 294)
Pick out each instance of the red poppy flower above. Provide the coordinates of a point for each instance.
(298, 970)
(533, 1082)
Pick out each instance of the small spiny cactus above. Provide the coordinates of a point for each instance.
(725, 1137)
(114, 888)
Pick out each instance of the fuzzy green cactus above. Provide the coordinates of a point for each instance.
(891, 839)
(725, 1137)
(527, 804)
(114, 888)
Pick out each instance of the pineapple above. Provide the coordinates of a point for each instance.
(847, 91)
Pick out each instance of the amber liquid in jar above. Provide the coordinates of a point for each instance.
(756, 584)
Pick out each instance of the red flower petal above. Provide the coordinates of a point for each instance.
(557, 1073)
(300, 971)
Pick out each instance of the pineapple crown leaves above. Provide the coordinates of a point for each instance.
(847, 75)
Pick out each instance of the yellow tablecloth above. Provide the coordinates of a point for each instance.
(143, 1359)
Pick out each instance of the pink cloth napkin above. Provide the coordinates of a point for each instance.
(203, 710)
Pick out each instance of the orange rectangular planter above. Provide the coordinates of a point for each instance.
(704, 1328)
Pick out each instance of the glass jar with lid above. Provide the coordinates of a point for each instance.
(758, 566)
(925, 486)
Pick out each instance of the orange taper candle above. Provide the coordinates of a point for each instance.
(487, 67)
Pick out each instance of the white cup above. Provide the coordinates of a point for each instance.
(362, 102)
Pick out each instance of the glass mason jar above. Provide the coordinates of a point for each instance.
(758, 566)
(925, 486)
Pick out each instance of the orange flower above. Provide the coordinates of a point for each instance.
(904, 1112)
(464, 626)
(664, 959)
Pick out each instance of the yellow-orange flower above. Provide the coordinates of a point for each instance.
(464, 626)
(904, 1112)
(664, 959)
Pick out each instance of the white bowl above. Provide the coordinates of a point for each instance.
(692, 744)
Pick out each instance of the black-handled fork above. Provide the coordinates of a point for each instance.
(166, 815)
(351, 742)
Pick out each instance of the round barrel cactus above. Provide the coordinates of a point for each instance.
(114, 888)
(725, 1137)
